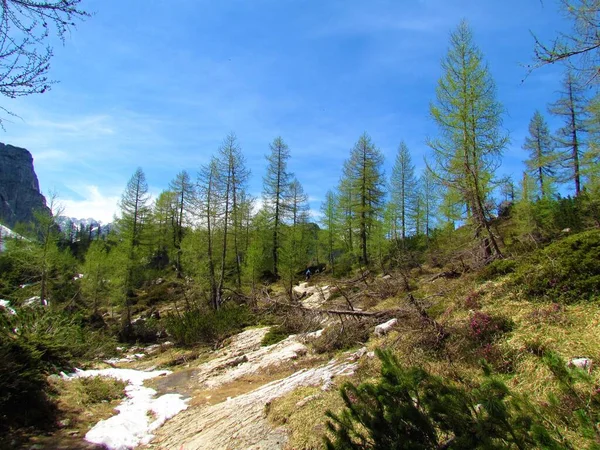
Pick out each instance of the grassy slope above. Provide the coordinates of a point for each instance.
(570, 330)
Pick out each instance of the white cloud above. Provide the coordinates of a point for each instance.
(94, 205)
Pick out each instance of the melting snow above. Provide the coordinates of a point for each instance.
(6, 305)
(132, 426)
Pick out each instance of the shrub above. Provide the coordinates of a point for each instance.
(565, 271)
(407, 408)
(472, 300)
(496, 269)
(59, 336)
(274, 335)
(98, 389)
(146, 331)
(485, 328)
(204, 325)
(552, 314)
(290, 321)
(23, 399)
(578, 403)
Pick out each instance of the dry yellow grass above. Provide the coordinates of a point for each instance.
(570, 331)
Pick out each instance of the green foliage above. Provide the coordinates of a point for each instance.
(364, 190)
(207, 326)
(565, 271)
(497, 268)
(407, 408)
(60, 337)
(471, 140)
(98, 389)
(578, 401)
(23, 399)
(274, 335)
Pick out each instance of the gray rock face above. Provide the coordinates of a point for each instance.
(19, 188)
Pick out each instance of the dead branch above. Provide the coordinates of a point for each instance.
(446, 274)
(439, 328)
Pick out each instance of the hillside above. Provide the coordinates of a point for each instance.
(527, 317)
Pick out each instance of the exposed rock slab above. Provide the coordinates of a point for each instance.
(240, 422)
(316, 295)
(244, 356)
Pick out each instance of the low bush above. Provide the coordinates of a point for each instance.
(497, 268)
(23, 385)
(60, 337)
(274, 335)
(407, 408)
(98, 389)
(566, 271)
(485, 328)
(204, 325)
(289, 321)
(472, 301)
(552, 314)
(147, 331)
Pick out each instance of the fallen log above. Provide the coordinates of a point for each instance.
(346, 312)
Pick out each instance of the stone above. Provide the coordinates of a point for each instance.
(581, 363)
(63, 423)
(19, 188)
(306, 400)
(385, 328)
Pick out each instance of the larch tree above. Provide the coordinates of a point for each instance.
(276, 195)
(363, 173)
(47, 230)
(344, 211)
(295, 246)
(232, 177)
(571, 107)
(164, 223)
(330, 225)
(134, 214)
(183, 195)
(427, 203)
(209, 202)
(403, 192)
(469, 147)
(579, 48)
(542, 157)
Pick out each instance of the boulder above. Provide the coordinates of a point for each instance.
(386, 327)
(581, 363)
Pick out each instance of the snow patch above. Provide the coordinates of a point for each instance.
(6, 305)
(132, 426)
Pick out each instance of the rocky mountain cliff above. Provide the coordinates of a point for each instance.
(19, 188)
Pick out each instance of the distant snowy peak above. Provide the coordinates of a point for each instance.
(69, 225)
(74, 221)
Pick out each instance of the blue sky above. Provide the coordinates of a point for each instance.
(158, 84)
